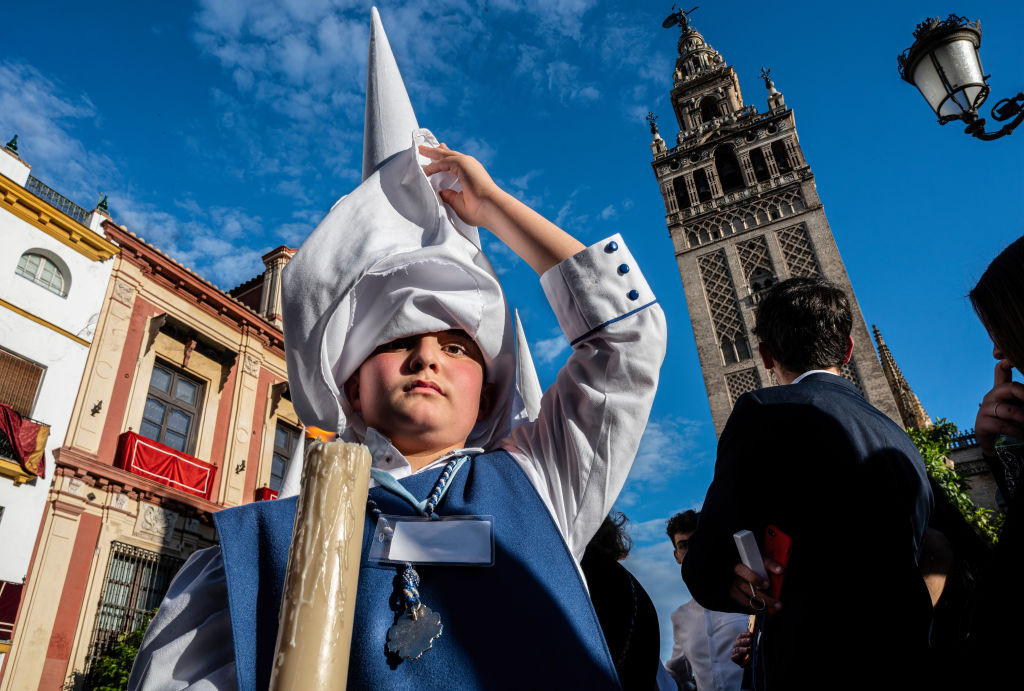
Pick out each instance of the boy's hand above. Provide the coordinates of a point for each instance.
(478, 189)
(537, 241)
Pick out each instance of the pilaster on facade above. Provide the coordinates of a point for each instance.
(737, 187)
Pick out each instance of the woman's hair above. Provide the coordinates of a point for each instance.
(612, 539)
(998, 299)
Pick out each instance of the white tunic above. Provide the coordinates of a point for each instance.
(705, 638)
(577, 454)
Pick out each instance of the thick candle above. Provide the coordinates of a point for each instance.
(318, 605)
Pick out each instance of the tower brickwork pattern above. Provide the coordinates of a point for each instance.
(743, 213)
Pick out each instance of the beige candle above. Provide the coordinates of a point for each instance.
(314, 635)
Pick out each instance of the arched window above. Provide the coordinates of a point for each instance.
(691, 239)
(682, 194)
(728, 353)
(735, 350)
(781, 157)
(760, 165)
(742, 347)
(700, 180)
(728, 169)
(708, 109)
(45, 268)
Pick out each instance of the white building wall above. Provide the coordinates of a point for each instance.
(63, 358)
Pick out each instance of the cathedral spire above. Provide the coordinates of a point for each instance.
(909, 405)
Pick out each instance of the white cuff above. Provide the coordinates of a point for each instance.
(596, 287)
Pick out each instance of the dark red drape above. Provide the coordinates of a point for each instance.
(165, 465)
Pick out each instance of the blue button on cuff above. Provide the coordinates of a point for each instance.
(611, 247)
(633, 295)
(623, 268)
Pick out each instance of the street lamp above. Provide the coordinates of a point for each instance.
(944, 65)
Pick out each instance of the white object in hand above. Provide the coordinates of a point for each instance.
(750, 555)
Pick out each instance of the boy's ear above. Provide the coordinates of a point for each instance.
(351, 389)
(487, 395)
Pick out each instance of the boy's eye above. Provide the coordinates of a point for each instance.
(399, 344)
(455, 349)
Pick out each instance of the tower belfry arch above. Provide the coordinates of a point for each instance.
(743, 212)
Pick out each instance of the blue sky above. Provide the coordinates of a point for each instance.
(223, 128)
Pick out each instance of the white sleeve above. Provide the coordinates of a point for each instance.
(579, 450)
(189, 645)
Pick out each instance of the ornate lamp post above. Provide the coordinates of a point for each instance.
(944, 65)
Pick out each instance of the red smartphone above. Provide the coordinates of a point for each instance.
(777, 546)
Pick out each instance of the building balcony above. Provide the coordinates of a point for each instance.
(22, 446)
(150, 459)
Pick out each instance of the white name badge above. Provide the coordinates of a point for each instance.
(448, 540)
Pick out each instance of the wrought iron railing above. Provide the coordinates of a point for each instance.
(963, 441)
(137, 580)
(56, 199)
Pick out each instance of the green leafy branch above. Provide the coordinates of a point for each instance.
(933, 443)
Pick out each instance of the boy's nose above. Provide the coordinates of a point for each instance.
(424, 355)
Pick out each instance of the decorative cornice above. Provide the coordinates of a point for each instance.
(98, 474)
(43, 322)
(55, 223)
(172, 275)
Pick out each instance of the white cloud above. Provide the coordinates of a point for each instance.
(608, 213)
(548, 349)
(667, 448)
(656, 569)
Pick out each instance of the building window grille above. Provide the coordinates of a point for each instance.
(285, 439)
(137, 580)
(172, 408)
(43, 271)
(739, 383)
(19, 382)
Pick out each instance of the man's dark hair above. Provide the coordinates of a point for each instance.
(804, 323)
(685, 522)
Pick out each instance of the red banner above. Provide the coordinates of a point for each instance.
(165, 465)
(27, 438)
(265, 494)
(10, 597)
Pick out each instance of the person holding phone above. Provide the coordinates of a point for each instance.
(998, 300)
(813, 461)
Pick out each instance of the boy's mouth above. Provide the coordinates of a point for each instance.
(422, 384)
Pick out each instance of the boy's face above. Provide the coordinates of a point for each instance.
(681, 543)
(423, 392)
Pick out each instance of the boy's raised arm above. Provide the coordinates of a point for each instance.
(579, 450)
(538, 241)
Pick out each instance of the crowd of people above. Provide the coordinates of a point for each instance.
(880, 582)
(397, 335)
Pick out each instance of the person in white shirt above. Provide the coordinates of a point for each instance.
(703, 638)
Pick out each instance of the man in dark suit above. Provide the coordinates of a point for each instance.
(817, 461)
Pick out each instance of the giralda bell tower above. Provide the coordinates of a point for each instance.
(743, 212)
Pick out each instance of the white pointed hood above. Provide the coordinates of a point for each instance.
(527, 382)
(389, 115)
(390, 260)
